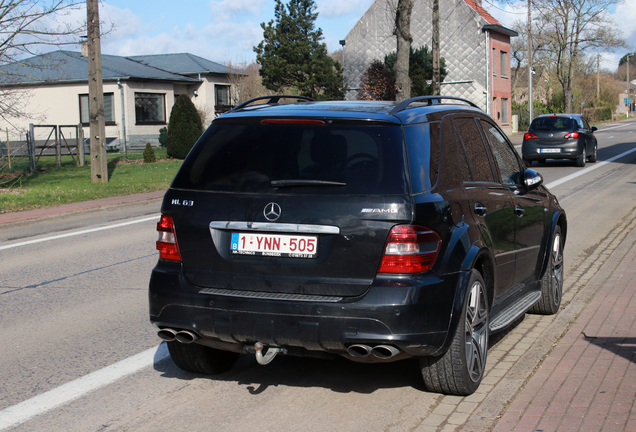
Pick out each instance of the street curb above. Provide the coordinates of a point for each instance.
(17, 218)
(495, 403)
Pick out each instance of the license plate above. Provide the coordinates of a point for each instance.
(551, 150)
(277, 245)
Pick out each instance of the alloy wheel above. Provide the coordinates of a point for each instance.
(476, 332)
(557, 269)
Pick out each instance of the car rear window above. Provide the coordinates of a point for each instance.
(293, 158)
(553, 124)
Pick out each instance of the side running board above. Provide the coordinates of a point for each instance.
(515, 311)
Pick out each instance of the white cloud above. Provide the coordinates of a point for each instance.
(625, 18)
(248, 6)
(507, 14)
(124, 22)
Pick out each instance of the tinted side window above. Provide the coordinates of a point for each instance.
(473, 144)
(586, 125)
(422, 144)
(508, 163)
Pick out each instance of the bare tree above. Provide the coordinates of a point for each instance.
(571, 28)
(27, 26)
(246, 82)
(404, 39)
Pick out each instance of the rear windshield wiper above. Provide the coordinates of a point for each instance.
(295, 183)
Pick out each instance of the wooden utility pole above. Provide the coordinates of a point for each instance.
(530, 101)
(598, 78)
(99, 167)
(437, 85)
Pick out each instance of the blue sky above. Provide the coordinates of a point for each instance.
(226, 30)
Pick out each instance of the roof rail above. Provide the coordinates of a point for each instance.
(432, 100)
(271, 100)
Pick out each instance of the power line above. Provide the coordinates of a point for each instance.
(504, 10)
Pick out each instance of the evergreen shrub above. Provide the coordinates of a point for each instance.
(149, 154)
(184, 127)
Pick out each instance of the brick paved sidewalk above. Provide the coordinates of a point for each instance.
(588, 381)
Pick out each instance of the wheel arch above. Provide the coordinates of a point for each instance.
(480, 259)
(558, 219)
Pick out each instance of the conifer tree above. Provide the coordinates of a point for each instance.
(184, 127)
(292, 55)
(420, 69)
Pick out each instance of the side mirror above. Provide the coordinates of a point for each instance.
(594, 129)
(532, 179)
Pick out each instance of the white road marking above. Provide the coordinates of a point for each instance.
(613, 127)
(75, 389)
(55, 237)
(587, 170)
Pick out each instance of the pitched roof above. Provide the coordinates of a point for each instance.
(483, 12)
(68, 66)
(184, 64)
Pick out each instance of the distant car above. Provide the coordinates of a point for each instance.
(559, 136)
(375, 231)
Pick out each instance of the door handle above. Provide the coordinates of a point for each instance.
(480, 209)
(519, 210)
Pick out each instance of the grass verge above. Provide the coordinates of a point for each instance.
(51, 186)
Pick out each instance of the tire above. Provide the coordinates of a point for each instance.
(552, 281)
(593, 156)
(201, 359)
(580, 161)
(460, 370)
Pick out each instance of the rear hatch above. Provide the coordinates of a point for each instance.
(551, 131)
(297, 207)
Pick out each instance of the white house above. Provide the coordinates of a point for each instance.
(139, 92)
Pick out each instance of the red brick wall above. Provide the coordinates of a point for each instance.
(501, 90)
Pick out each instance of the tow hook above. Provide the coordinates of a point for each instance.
(266, 358)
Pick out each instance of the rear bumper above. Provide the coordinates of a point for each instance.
(412, 314)
(532, 150)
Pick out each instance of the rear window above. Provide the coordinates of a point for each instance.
(553, 124)
(314, 159)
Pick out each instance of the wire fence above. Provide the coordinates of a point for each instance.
(58, 141)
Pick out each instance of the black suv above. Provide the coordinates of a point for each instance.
(370, 230)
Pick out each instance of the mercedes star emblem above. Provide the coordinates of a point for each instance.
(272, 211)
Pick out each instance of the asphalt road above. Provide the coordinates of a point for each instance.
(78, 352)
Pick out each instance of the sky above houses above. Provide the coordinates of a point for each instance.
(227, 30)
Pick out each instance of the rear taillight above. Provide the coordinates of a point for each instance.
(529, 136)
(572, 135)
(167, 241)
(410, 249)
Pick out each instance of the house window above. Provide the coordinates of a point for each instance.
(150, 108)
(504, 111)
(109, 109)
(504, 63)
(222, 95)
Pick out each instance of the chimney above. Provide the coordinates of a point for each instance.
(84, 45)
